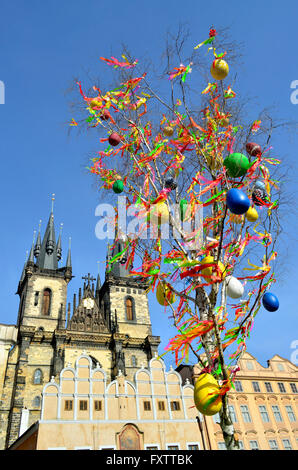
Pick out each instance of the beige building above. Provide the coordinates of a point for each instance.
(263, 406)
(155, 410)
(83, 410)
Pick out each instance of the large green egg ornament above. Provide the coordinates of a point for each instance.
(237, 165)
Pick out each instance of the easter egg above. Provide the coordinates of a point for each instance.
(259, 197)
(252, 215)
(224, 122)
(235, 289)
(170, 183)
(270, 302)
(158, 213)
(206, 273)
(206, 388)
(164, 295)
(168, 131)
(104, 115)
(114, 139)
(253, 149)
(219, 69)
(237, 201)
(94, 103)
(236, 164)
(260, 185)
(118, 186)
(183, 208)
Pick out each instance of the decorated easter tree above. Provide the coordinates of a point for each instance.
(198, 181)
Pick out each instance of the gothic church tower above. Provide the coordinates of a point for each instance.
(110, 321)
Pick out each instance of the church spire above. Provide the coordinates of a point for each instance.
(48, 258)
(31, 255)
(38, 242)
(98, 282)
(59, 244)
(68, 261)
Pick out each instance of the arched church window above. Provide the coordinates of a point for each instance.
(133, 361)
(129, 308)
(46, 302)
(37, 378)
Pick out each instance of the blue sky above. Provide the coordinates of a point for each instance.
(44, 46)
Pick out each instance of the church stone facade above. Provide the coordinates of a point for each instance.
(109, 321)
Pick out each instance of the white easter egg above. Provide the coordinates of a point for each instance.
(235, 289)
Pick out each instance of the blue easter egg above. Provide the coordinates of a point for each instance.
(270, 302)
(237, 201)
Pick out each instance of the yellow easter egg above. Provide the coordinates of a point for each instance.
(164, 295)
(252, 215)
(219, 69)
(95, 103)
(206, 387)
(211, 270)
(158, 214)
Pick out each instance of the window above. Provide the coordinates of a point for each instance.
(175, 405)
(273, 444)
(36, 402)
(129, 308)
(216, 418)
(276, 413)
(245, 413)
(264, 414)
(172, 447)
(222, 446)
(151, 447)
(281, 387)
(193, 446)
(36, 298)
(249, 365)
(238, 386)
(134, 362)
(37, 378)
(232, 413)
(147, 405)
(291, 413)
(293, 387)
(83, 405)
(256, 386)
(46, 302)
(68, 405)
(287, 444)
(161, 405)
(268, 387)
(97, 405)
(254, 445)
(241, 446)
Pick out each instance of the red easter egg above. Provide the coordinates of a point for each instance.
(105, 115)
(114, 139)
(253, 149)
